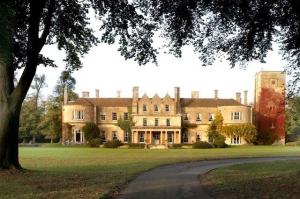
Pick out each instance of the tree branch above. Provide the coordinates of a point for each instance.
(47, 24)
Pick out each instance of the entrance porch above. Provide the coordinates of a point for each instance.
(156, 137)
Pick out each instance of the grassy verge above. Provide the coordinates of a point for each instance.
(68, 172)
(254, 180)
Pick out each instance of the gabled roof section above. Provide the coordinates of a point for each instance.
(103, 102)
(208, 102)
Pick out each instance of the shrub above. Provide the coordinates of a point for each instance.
(202, 145)
(91, 131)
(136, 146)
(112, 144)
(266, 138)
(219, 142)
(176, 146)
(96, 142)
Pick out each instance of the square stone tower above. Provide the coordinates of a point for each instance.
(269, 103)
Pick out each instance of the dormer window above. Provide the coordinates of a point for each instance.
(155, 108)
(167, 107)
(145, 108)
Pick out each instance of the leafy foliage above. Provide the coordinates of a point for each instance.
(293, 116)
(126, 125)
(202, 145)
(112, 144)
(91, 131)
(247, 131)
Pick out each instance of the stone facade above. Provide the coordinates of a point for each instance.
(269, 103)
(158, 120)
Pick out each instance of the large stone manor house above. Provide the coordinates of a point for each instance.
(159, 120)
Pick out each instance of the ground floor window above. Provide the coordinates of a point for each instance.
(198, 137)
(126, 136)
(114, 135)
(185, 138)
(170, 137)
(236, 139)
(78, 136)
(102, 136)
(142, 136)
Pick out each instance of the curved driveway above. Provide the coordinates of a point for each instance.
(180, 180)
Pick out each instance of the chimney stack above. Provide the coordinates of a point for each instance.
(195, 94)
(66, 95)
(97, 93)
(216, 94)
(238, 97)
(177, 93)
(246, 97)
(85, 94)
(135, 93)
(118, 94)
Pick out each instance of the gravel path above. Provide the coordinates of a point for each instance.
(181, 180)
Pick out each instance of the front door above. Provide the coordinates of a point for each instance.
(156, 138)
(78, 137)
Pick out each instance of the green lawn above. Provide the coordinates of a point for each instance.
(256, 180)
(67, 172)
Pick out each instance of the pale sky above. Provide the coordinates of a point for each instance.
(105, 69)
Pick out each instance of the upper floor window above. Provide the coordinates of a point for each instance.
(211, 117)
(126, 116)
(145, 108)
(168, 122)
(114, 135)
(144, 121)
(102, 116)
(156, 122)
(78, 115)
(114, 116)
(167, 107)
(235, 115)
(185, 116)
(155, 108)
(198, 117)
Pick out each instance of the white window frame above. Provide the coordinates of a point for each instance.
(114, 116)
(236, 140)
(198, 137)
(142, 137)
(126, 136)
(168, 122)
(211, 116)
(236, 115)
(155, 108)
(145, 121)
(114, 135)
(78, 115)
(126, 116)
(144, 108)
(102, 115)
(170, 136)
(156, 122)
(167, 108)
(198, 117)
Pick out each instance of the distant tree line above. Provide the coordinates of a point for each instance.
(41, 119)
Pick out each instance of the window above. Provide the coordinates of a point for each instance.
(102, 136)
(170, 137)
(114, 116)
(185, 116)
(211, 117)
(126, 136)
(155, 108)
(236, 116)
(145, 108)
(168, 123)
(126, 116)
(102, 116)
(144, 121)
(185, 138)
(114, 135)
(198, 137)
(78, 115)
(167, 108)
(198, 117)
(142, 136)
(236, 139)
(156, 122)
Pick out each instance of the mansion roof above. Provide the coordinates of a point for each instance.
(127, 102)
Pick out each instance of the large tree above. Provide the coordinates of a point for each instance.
(241, 30)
